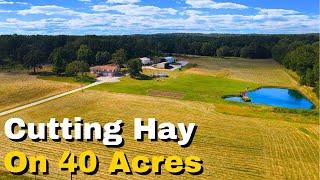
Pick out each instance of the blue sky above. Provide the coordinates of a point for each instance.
(105, 17)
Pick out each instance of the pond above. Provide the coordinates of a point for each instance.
(278, 97)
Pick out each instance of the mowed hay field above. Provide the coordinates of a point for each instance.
(263, 71)
(20, 89)
(231, 147)
(235, 141)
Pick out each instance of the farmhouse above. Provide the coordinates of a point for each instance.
(105, 70)
(145, 61)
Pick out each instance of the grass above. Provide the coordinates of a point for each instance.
(232, 147)
(6, 176)
(194, 87)
(58, 78)
(208, 82)
(262, 71)
(234, 140)
(68, 79)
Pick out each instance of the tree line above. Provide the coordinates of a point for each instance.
(296, 52)
(301, 57)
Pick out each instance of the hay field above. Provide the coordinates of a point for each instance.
(232, 147)
(262, 71)
(20, 89)
(235, 141)
(214, 78)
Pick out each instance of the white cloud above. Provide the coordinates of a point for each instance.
(214, 5)
(11, 2)
(6, 2)
(131, 9)
(5, 11)
(136, 18)
(123, 1)
(277, 12)
(47, 10)
(84, 0)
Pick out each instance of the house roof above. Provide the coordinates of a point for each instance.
(111, 67)
(169, 58)
(145, 59)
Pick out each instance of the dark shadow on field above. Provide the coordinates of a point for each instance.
(144, 77)
(43, 73)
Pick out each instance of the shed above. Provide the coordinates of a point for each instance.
(145, 61)
(163, 65)
(170, 59)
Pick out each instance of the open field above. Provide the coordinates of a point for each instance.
(232, 147)
(235, 141)
(214, 78)
(191, 86)
(19, 89)
(263, 71)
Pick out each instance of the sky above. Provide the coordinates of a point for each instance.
(120, 17)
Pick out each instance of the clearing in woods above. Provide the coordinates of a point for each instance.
(254, 145)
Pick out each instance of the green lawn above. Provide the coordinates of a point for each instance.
(190, 86)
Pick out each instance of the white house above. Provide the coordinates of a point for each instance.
(170, 59)
(105, 70)
(145, 61)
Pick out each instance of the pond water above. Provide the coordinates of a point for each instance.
(278, 97)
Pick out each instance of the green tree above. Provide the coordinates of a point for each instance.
(316, 88)
(305, 61)
(77, 67)
(103, 57)
(33, 59)
(295, 45)
(59, 58)
(223, 51)
(247, 52)
(208, 49)
(135, 67)
(119, 57)
(85, 54)
(280, 50)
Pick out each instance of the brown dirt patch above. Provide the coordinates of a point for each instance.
(167, 94)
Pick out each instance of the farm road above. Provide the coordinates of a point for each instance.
(100, 81)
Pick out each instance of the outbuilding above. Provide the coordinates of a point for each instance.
(163, 65)
(105, 70)
(146, 61)
(170, 59)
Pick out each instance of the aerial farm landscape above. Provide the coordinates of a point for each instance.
(244, 76)
(236, 139)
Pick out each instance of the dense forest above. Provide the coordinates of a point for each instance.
(299, 53)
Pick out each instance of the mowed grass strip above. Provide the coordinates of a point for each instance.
(194, 87)
(232, 147)
(20, 89)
